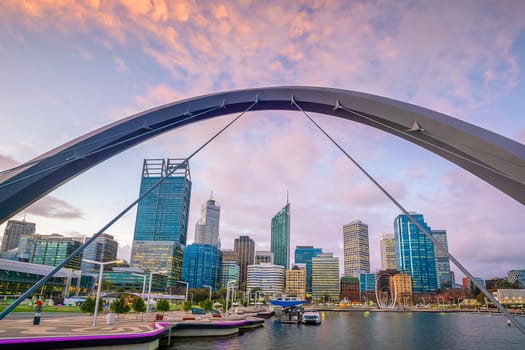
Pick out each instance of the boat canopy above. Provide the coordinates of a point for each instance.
(287, 303)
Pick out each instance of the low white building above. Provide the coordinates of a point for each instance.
(511, 296)
(268, 277)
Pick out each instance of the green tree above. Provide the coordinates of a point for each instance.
(120, 306)
(163, 305)
(207, 304)
(187, 305)
(139, 305)
(89, 305)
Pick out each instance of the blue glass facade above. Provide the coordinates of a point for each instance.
(280, 241)
(367, 282)
(161, 223)
(304, 255)
(201, 265)
(415, 253)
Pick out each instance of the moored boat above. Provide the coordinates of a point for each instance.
(311, 317)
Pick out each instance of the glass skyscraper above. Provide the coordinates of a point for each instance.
(103, 248)
(415, 253)
(444, 279)
(280, 241)
(201, 266)
(304, 255)
(207, 227)
(356, 248)
(161, 224)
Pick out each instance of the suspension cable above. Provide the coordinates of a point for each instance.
(118, 216)
(415, 222)
(76, 156)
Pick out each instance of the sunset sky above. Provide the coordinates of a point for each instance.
(69, 67)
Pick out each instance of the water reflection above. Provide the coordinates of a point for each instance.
(376, 330)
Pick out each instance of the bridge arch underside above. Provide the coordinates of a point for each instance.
(497, 160)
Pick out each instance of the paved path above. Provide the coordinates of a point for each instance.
(52, 326)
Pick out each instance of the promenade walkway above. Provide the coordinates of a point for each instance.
(74, 325)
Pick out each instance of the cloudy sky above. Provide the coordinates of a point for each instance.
(68, 67)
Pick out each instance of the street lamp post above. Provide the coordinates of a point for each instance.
(143, 283)
(101, 270)
(186, 283)
(209, 288)
(149, 290)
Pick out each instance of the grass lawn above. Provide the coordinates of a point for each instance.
(27, 308)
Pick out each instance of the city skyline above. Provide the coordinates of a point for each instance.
(65, 76)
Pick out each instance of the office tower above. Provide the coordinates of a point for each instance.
(229, 255)
(350, 289)
(244, 248)
(229, 272)
(280, 241)
(304, 255)
(356, 251)
(161, 224)
(13, 231)
(268, 277)
(296, 281)
(207, 227)
(325, 278)
(53, 249)
(388, 252)
(201, 266)
(263, 256)
(415, 253)
(103, 248)
(444, 279)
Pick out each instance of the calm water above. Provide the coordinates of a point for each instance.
(376, 330)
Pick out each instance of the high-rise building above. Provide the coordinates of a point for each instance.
(161, 224)
(356, 248)
(244, 248)
(296, 281)
(13, 231)
(444, 279)
(53, 249)
(229, 272)
(201, 266)
(304, 255)
(388, 252)
(280, 237)
(207, 227)
(229, 255)
(325, 277)
(103, 248)
(263, 256)
(415, 253)
(268, 277)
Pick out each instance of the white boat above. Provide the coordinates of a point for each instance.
(311, 317)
